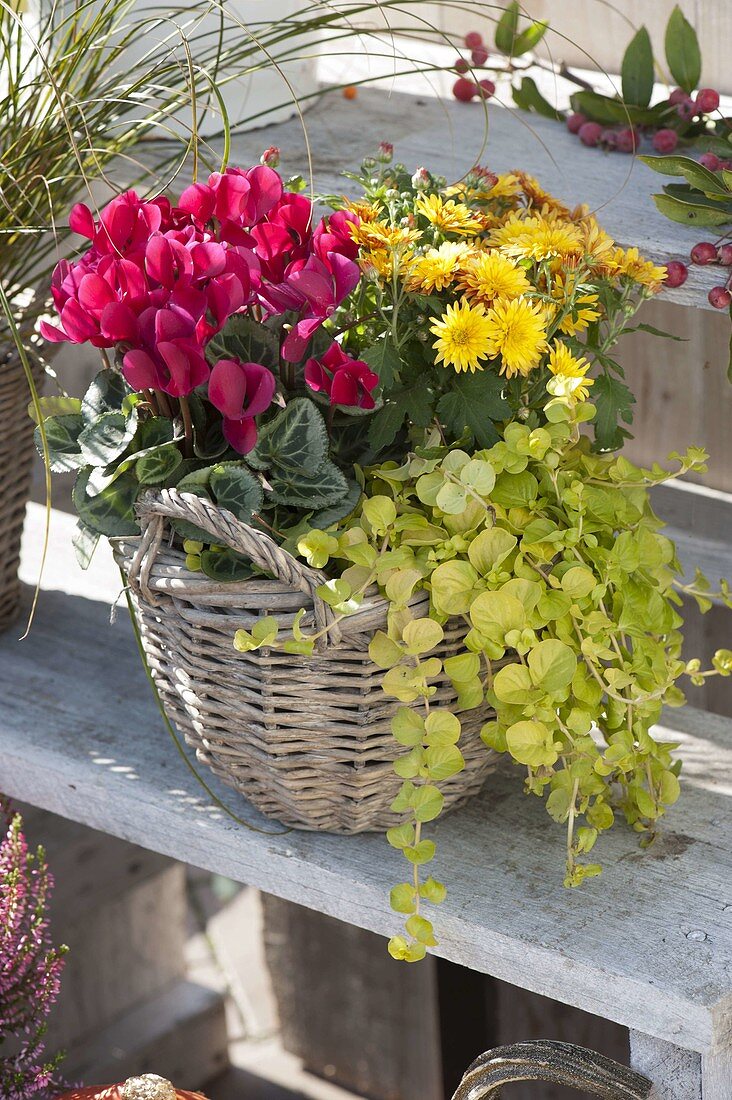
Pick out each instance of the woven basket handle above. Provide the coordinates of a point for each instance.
(558, 1063)
(154, 507)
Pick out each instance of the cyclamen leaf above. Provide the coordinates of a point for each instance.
(225, 565)
(111, 511)
(54, 406)
(236, 488)
(246, 339)
(295, 439)
(157, 466)
(106, 438)
(108, 392)
(62, 440)
(85, 542)
(322, 488)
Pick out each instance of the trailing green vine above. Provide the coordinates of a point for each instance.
(553, 559)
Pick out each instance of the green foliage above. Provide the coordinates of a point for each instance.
(704, 199)
(552, 557)
(682, 51)
(637, 69)
(512, 41)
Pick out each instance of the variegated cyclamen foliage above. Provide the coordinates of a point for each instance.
(553, 557)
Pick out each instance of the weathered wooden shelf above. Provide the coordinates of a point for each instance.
(450, 137)
(649, 944)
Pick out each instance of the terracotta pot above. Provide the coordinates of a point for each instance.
(147, 1087)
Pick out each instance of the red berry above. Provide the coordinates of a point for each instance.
(678, 95)
(473, 40)
(665, 141)
(724, 255)
(704, 253)
(710, 161)
(609, 138)
(464, 90)
(687, 109)
(461, 65)
(676, 273)
(590, 133)
(719, 297)
(575, 122)
(486, 88)
(627, 140)
(707, 100)
(479, 56)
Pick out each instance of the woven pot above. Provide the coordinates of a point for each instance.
(16, 463)
(306, 739)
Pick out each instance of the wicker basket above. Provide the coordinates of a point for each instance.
(16, 462)
(306, 739)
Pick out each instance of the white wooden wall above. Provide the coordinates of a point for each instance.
(594, 33)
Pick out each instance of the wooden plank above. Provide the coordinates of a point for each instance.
(348, 1010)
(575, 37)
(79, 735)
(121, 910)
(676, 1073)
(180, 1034)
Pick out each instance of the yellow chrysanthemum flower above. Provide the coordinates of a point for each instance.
(598, 246)
(630, 262)
(437, 267)
(583, 306)
(537, 238)
(517, 333)
(462, 337)
(383, 235)
(537, 196)
(491, 275)
(449, 216)
(569, 380)
(385, 262)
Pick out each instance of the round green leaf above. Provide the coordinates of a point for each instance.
(552, 665)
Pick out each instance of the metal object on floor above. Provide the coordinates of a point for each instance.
(553, 1062)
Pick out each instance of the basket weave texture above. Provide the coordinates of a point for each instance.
(16, 462)
(306, 739)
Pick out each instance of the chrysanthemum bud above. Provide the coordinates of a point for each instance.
(421, 179)
(386, 152)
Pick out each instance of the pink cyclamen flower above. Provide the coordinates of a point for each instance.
(234, 195)
(346, 381)
(240, 391)
(169, 355)
(314, 290)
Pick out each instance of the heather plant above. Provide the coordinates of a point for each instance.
(30, 967)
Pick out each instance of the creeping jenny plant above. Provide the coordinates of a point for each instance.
(553, 558)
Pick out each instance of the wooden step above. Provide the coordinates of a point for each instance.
(180, 1034)
(121, 910)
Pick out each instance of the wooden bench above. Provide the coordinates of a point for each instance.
(648, 945)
